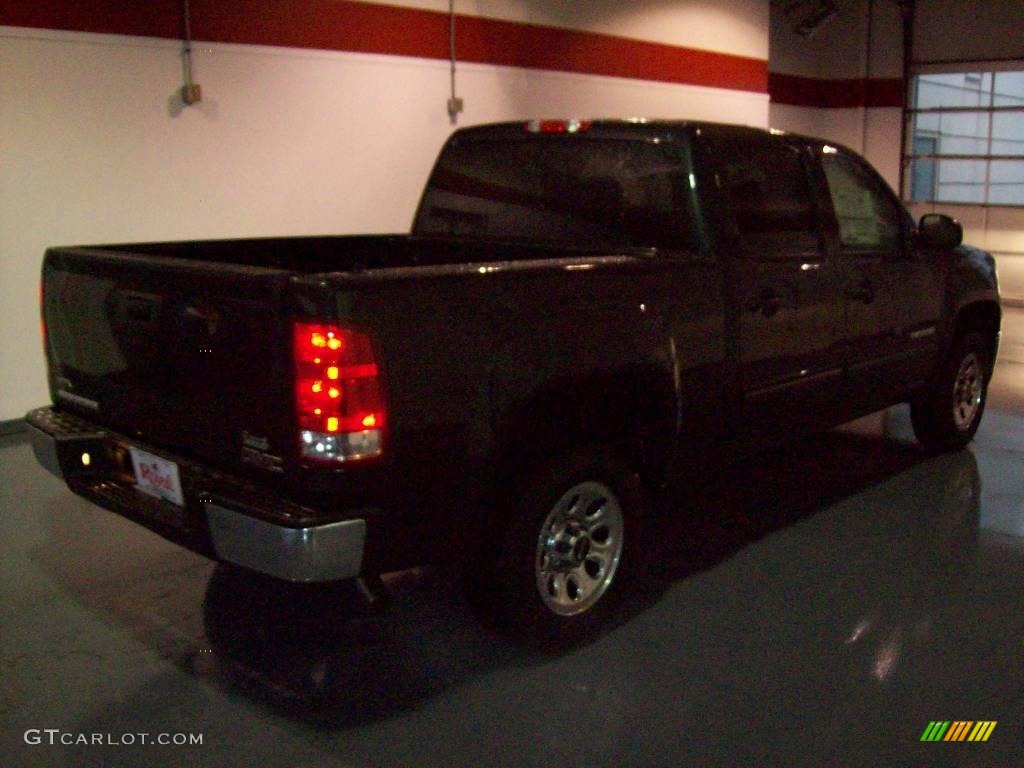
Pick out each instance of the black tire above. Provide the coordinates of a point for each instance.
(947, 415)
(591, 504)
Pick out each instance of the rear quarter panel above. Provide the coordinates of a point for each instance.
(466, 351)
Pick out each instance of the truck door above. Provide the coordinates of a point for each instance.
(870, 237)
(786, 300)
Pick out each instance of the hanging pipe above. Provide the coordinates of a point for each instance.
(454, 102)
(190, 92)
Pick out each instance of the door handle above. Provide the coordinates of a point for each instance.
(864, 292)
(767, 303)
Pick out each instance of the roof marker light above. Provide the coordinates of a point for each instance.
(558, 126)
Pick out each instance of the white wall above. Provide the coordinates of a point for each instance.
(96, 147)
(968, 30)
(839, 50)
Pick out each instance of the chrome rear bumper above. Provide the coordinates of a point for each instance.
(223, 517)
(320, 553)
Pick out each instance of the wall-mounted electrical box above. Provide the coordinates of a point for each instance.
(191, 93)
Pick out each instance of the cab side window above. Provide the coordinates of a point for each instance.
(869, 219)
(766, 187)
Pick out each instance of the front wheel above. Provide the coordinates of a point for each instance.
(563, 550)
(948, 414)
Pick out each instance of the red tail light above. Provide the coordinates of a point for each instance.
(338, 395)
(42, 316)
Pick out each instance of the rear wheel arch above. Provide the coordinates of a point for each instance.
(633, 412)
(629, 417)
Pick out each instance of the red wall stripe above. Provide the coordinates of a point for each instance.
(346, 25)
(151, 18)
(522, 45)
(832, 94)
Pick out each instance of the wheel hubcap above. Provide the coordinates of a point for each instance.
(967, 392)
(578, 549)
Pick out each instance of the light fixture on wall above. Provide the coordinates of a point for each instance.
(805, 17)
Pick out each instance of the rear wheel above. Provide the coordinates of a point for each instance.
(562, 555)
(578, 548)
(948, 414)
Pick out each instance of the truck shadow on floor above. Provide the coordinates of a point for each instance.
(324, 656)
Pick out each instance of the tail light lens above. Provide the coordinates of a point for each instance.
(42, 316)
(338, 395)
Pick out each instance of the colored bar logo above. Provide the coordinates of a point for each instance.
(958, 730)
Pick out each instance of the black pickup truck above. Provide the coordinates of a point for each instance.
(583, 311)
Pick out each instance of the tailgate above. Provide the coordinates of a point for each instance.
(185, 354)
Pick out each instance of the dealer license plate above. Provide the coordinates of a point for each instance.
(157, 477)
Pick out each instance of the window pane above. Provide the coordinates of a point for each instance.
(586, 192)
(961, 181)
(868, 218)
(1009, 89)
(1008, 133)
(922, 180)
(770, 198)
(963, 89)
(1006, 182)
(955, 133)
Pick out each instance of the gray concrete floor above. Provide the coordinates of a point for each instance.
(818, 606)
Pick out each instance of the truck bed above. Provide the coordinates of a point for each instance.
(188, 344)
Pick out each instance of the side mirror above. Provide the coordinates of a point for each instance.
(936, 230)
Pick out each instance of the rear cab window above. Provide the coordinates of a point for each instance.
(579, 190)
